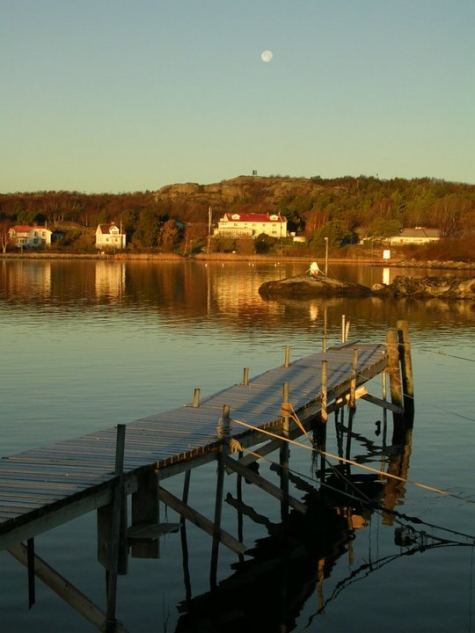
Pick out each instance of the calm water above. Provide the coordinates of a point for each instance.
(87, 345)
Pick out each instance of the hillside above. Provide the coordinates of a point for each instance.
(344, 210)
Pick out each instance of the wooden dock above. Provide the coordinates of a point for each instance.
(43, 488)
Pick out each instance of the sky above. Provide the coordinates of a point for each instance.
(131, 95)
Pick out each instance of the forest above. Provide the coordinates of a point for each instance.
(344, 210)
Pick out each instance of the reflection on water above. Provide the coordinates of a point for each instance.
(88, 344)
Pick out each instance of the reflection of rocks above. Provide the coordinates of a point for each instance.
(424, 287)
(306, 287)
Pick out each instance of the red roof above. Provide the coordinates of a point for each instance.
(253, 217)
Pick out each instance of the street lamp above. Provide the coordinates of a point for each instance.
(326, 256)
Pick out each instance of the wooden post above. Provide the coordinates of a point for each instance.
(30, 548)
(245, 376)
(284, 455)
(115, 538)
(287, 356)
(224, 432)
(343, 328)
(146, 511)
(406, 369)
(354, 375)
(196, 398)
(324, 414)
(394, 375)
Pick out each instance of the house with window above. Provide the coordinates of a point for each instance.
(25, 236)
(110, 236)
(251, 225)
(417, 235)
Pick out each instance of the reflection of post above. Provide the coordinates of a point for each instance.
(386, 276)
(324, 340)
(326, 256)
(395, 489)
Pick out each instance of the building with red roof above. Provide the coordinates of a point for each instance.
(25, 236)
(251, 225)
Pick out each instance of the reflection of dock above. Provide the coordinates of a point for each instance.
(47, 487)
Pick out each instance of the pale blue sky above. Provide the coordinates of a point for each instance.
(130, 95)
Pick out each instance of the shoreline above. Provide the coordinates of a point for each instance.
(232, 257)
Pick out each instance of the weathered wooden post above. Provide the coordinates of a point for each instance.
(354, 376)
(343, 328)
(394, 374)
(284, 454)
(245, 376)
(196, 398)
(224, 434)
(324, 413)
(406, 371)
(113, 517)
(287, 356)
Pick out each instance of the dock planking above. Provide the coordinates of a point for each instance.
(47, 486)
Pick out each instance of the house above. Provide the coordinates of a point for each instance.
(417, 235)
(251, 225)
(25, 236)
(110, 236)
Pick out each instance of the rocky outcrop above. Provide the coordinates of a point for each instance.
(425, 287)
(307, 287)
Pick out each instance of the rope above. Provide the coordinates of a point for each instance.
(376, 471)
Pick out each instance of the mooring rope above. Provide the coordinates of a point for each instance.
(444, 493)
(399, 517)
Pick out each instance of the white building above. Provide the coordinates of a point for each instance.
(110, 236)
(251, 225)
(417, 235)
(25, 236)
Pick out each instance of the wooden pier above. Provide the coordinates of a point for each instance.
(43, 488)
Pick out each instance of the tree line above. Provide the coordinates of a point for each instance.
(344, 210)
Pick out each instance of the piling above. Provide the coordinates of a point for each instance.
(406, 370)
(284, 454)
(395, 385)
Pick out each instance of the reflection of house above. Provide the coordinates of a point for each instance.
(418, 235)
(251, 225)
(110, 236)
(25, 236)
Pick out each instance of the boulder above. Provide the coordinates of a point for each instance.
(307, 287)
(425, 287)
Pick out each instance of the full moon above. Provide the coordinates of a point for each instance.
(266, 56)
